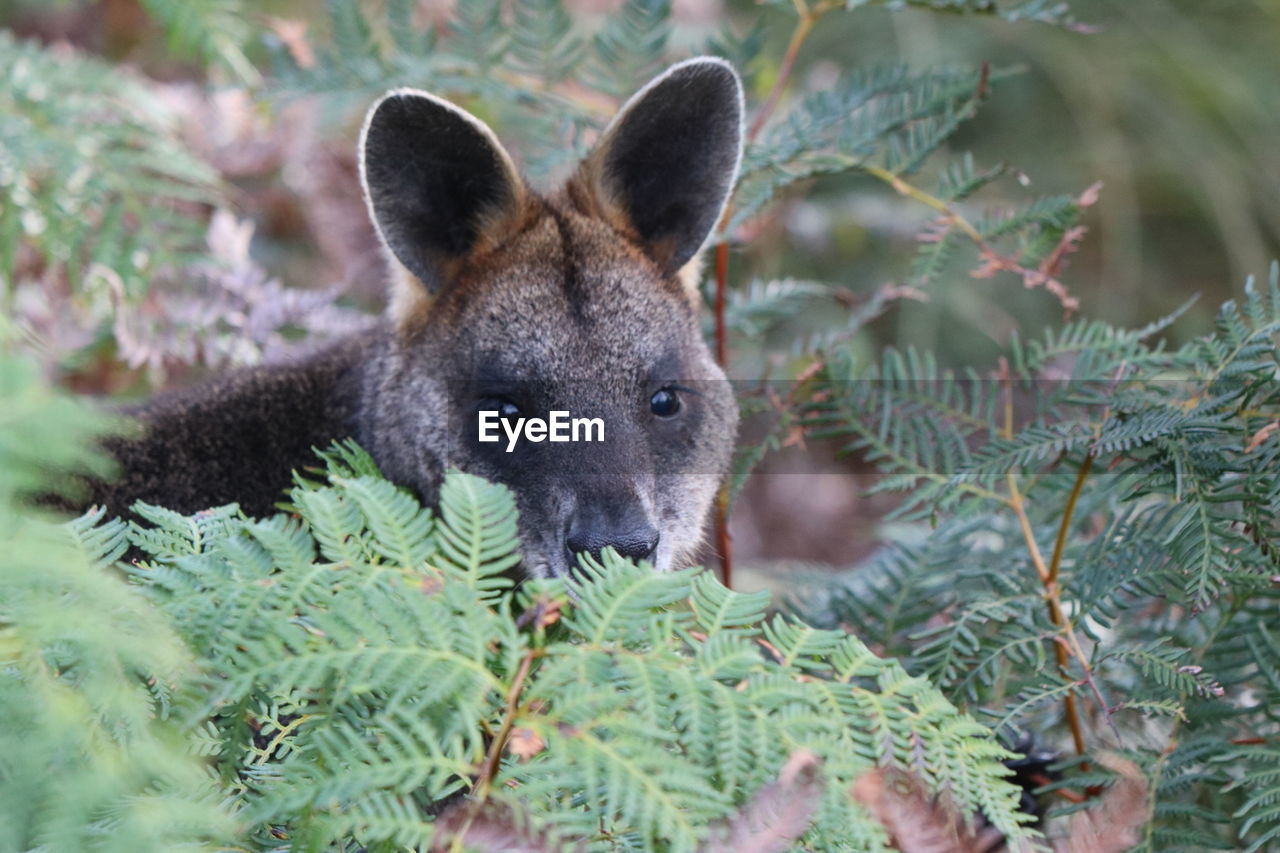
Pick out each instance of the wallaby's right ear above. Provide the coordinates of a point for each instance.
(438, 183)
(665, 166)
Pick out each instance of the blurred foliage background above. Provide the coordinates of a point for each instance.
(179, 196)
(1170, 104)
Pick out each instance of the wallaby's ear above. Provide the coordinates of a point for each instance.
(438, 183)
(666, 164)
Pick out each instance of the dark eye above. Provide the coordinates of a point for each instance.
(506, 409)
(664, 403)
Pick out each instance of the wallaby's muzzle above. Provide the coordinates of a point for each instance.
(622, 526)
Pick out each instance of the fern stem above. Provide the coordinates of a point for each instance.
(1065, 645)
(911, 191)
(284, 732)
(1018, 506)
(1060, 544)
(720, 521)
(489, 768)
(1071, 709)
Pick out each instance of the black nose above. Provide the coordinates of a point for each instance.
(595, 529)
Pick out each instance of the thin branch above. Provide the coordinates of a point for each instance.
(1066, 645)
(807, 17)
(993, 261)
(953, 216)
(722, 281)
(1056, 616)
(1060, 544)
(489, 767)
(804, 26)
(1018, 506)
(724, 542)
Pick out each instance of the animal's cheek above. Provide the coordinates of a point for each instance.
(724, 408)
(683, 503)
(694, 447)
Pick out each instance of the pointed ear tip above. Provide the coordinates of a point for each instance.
(416, 106)
(713, 72)
(707, 61)
(378, 107)
(708, 66)
(408, 92)
(400, 94)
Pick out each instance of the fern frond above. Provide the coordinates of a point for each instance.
(98, 184)
(401, 527)
(631, 46)
(91, 752)
(720, 611)
(616, 598)
(215, 31)
(479, 539)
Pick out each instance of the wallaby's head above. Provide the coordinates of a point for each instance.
(581, 301)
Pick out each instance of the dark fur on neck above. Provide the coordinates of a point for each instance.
(237, 438)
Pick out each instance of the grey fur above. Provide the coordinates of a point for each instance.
(572, 301)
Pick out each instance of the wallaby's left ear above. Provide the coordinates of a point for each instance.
(666, 164)
(439, 185)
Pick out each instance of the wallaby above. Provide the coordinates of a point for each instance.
(582, 301)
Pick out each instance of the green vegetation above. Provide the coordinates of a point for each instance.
(1102, 523)
(1084, 548)
(343, 671)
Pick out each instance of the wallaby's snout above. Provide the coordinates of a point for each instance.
(622, 525)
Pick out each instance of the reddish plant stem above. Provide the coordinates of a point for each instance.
(489, 767)
(1060, 543)
(804, 25)
(724, 542)
(1064, 645)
